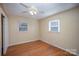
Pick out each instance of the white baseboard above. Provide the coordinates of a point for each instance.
(66, 50)
(61, 48)
(5, 50)
(22, 42)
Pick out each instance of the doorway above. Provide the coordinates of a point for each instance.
(4, 34)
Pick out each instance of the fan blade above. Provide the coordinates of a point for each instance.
(24, 5)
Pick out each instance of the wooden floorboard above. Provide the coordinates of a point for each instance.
(36, 48)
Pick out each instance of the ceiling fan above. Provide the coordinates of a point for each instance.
(31, 9)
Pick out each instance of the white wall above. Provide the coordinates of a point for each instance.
(68, 37)
(17, 37)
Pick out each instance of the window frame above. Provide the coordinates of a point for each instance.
(22, 28)
(58, 25)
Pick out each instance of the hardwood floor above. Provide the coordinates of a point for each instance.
(36, 48)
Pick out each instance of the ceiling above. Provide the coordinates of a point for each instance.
(44, 9)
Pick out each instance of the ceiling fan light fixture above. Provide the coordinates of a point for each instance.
(33, 12)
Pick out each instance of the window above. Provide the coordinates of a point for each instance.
(54, 26)
(23, 27)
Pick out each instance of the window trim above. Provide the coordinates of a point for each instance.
(58, 21)
(20, 25)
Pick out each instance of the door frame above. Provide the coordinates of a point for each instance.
(2, 52)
